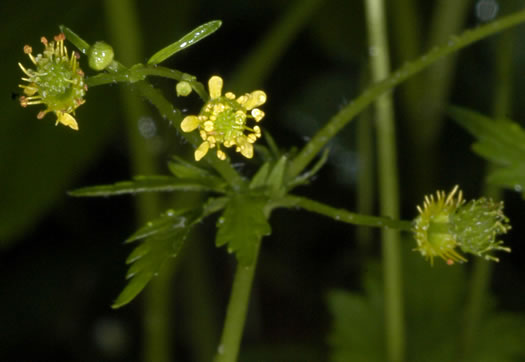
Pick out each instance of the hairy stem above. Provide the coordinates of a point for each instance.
(343, 215)
(388, 182)
(341, 119)
(229, 346)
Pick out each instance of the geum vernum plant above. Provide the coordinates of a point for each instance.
(445, 225)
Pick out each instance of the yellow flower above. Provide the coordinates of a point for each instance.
(57, 81)
(431, 227)
(222, 121)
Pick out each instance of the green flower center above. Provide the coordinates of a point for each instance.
(55, 81)
(228, 117)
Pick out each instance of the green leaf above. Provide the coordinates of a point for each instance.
(164, 238)
(433, 304)
(357, 333)
(150, 184)
(76, 40)
(259, 179)
(500, 338)
(242, 225)
(187, 40)
(501, 142)
(186, 170)
(276, 177)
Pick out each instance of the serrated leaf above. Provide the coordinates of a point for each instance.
(242, 225)
(165, 222)
(185, 170)
(150, 184)
(276, 177)
(259, 179)
(187, 40)
(513, 178)
(501, 142)
(164, 238)
(357, 333)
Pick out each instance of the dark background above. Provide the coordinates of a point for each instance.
(62, 259)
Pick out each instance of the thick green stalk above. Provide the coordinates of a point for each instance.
(388, 182)
(229, 346)
(345, 115)
(127, 41)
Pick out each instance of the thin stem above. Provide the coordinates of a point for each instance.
(343, 215)
(388, 183)
(229, 346)
(140, 72)
(325, 134)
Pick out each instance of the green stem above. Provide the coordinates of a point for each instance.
(140, 72)
(229, 346)
(343, 215)
(388, 183)
(325, 134)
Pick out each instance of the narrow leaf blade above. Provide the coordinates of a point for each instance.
(76, 40)
(147, 184)
(187, 40)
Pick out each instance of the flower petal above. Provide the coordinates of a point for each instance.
(202, 150)
(190, 123)
(215, 86)
(67, 120)
(255, 99)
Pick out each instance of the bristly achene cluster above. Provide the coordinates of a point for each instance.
(222, 121)
(57, 82)
(446, 222)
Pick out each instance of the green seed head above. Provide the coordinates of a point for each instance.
(477, 226)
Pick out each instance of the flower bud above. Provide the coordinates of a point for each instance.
(100, 56)
(183, 88)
